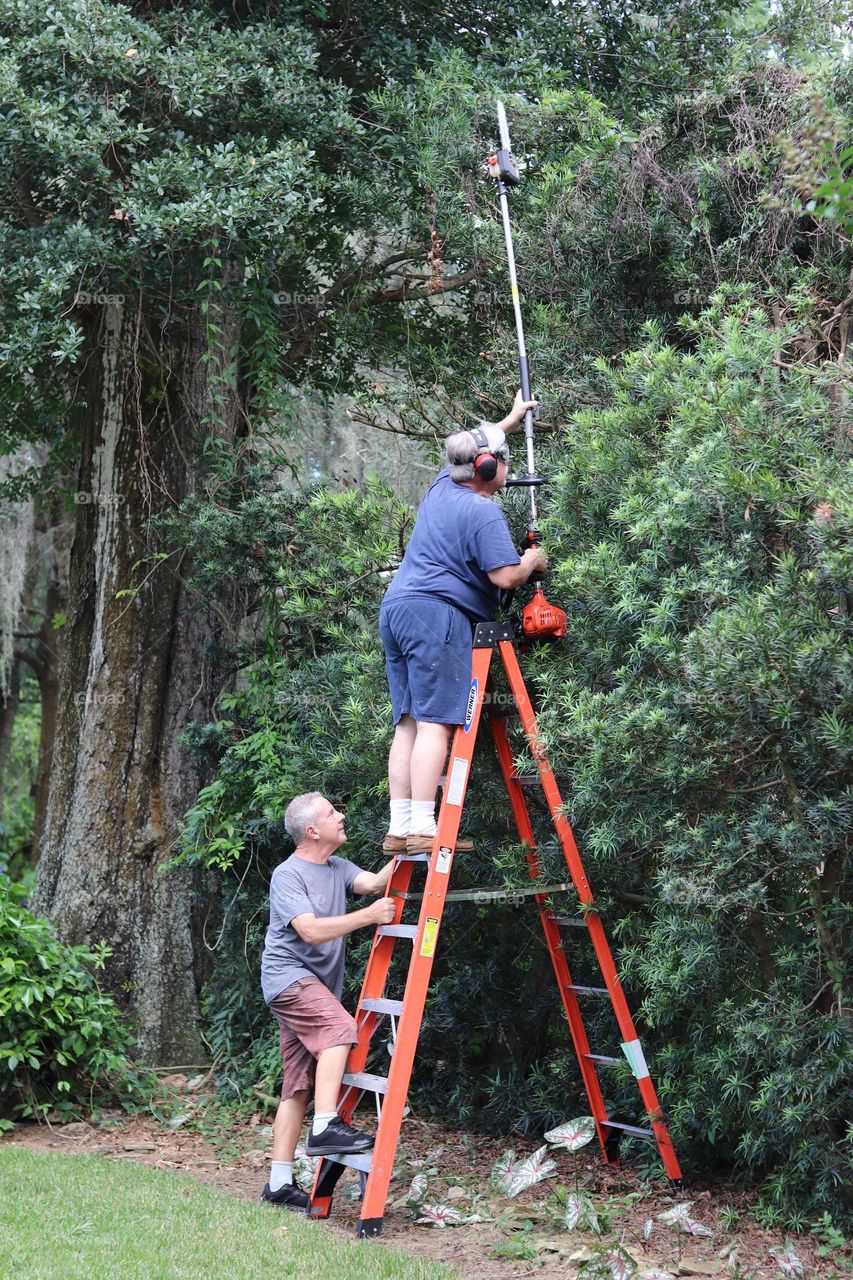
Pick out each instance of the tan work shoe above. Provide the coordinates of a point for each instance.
(423, 844)
(394, 844)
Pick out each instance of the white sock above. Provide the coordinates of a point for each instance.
(401, 818)
(423, 818)
(321, 1122)
(281, 1174)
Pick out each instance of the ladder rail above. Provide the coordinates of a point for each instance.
(595, 926)
(559, 960)
(429, 924)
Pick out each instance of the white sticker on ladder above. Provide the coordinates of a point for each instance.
(633, 1051)
(456, 781)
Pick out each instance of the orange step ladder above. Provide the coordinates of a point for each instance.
(375, 1168)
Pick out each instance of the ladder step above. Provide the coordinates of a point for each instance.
(525, 779)
(586, 991)
(394, 1007)
(627, 1128)
(364, 1080)
(412, 857)
(570, 922)
(398, 931)
(361, 1162)
(604, 1059)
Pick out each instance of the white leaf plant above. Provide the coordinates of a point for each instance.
(511, 1176)
(788, 1260)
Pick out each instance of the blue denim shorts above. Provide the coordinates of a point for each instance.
(428, 647)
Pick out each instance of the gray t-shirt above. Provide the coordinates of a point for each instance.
(299, 887)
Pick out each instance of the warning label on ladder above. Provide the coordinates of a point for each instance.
(456, 781)
(430, 936)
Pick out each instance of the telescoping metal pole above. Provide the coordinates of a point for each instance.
(539, 619)
(504, 170)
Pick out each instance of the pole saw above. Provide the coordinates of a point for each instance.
(539, 619)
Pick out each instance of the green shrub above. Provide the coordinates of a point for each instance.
(62, 1041)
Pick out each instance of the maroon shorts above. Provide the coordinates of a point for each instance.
(310, 1019)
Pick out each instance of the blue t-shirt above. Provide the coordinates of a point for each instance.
(458, 538)
(299, 887)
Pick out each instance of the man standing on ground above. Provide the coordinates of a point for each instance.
(302, 975)
(459, 558)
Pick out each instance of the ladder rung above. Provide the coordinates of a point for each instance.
(603, 1058)
(394, 1007)
(627, 1128)
(362, 1162)
(412, 857)
(364, 1080)
(570, 922)
(525, 779)
(398, 931)
(587, 991)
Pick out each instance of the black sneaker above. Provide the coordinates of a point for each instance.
(290, 1196)
(338, 1138)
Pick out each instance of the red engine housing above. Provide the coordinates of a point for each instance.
(541, 620)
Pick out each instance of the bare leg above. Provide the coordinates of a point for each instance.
(399, 759)
(427, 759)
(331, 1065)
(288, 1125)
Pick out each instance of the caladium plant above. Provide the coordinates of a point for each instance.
(610, 1264)
(510, 1176)
(444, 1215)
(580, 1212)
(788, 1260)
(572, 1134)
(679, 1217)
(440, 1215)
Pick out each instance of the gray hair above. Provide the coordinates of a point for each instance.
(300, 814)
(461, 449)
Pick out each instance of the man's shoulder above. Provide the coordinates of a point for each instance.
(468, 500)
(291, 868)
(343, 866)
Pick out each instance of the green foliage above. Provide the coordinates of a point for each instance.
(702, 718)
(63, 1042)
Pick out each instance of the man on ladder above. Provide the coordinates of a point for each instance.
(459, 559)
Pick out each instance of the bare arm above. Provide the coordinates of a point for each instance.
(367, 882)
(316, 930)
(515, 575)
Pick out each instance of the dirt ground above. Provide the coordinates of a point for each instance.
(521, 1237)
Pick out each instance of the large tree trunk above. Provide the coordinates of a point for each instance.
(135, 670)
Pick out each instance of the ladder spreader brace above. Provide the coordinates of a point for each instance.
(375, 1168)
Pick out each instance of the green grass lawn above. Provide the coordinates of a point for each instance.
(87, 1218)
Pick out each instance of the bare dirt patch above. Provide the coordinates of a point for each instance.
(520, 1237)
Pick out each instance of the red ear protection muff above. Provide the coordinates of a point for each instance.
(485, 463)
